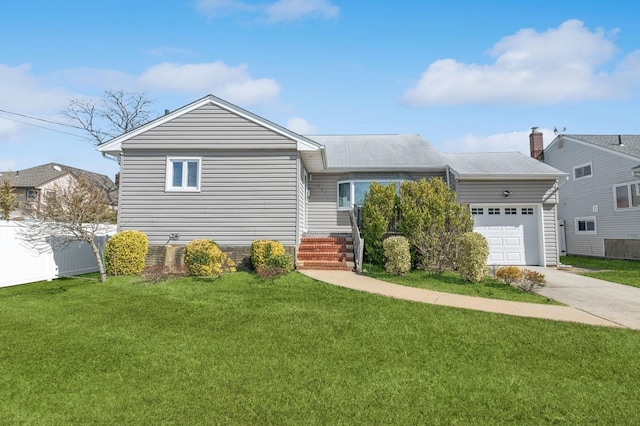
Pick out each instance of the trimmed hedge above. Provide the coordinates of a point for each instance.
(205, 259)
(125, 253)
(473, 251)
(263, 250)
(398, 255)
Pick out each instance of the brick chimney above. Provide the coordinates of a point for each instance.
(536, 144)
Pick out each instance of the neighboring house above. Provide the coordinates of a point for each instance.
(213, 170)
(600, 202)
(34, 183)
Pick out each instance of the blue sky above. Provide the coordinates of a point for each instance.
(466, 75)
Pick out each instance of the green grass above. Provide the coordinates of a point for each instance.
(617, 271)
(295, 351)
(450, 282)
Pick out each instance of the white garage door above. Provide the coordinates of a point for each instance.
(512, 233)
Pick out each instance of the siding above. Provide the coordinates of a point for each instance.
(209, 127)
(550, 234)
(522, 192)
(244, 196)
(324, 218)
(580, 198)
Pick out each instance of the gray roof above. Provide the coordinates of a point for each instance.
(379, 152)
(630, 143)
(40, 175)
(496, 165)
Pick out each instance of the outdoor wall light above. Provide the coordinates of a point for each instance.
(506, 193)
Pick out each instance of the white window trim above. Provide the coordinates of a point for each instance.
(586, 219)
(629, 195)
(169, 174)
(573, 173)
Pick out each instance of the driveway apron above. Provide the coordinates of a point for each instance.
(614, 302)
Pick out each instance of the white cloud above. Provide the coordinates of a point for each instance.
(301, 126)
(23, 93)
(19, 89)
(279, 11)
(289, 10)
(499, 142)
(561, 64)
(231, 83)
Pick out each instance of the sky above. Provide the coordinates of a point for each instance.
(469, 76)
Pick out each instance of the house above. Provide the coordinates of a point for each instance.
(214, 170)
(600, 202)
(34, 183)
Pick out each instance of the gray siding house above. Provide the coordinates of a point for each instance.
(214, 170)
(600, 202)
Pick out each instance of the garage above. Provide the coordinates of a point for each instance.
(512, 233)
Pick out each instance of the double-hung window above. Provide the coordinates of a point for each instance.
(626, 196)
(183, 174)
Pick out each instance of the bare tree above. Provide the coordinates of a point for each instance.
(8, 198)
(77, 211)
(116, 113)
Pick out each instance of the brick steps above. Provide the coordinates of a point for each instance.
(326, 253)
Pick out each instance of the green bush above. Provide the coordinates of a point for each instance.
(275, 266)
(205, 259)
(377, 212)
(509, 274)
(263, 250)
(473, 251)
(125, 253)
(432, 220)
(398, 255)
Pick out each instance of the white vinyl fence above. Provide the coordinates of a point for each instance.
(20, 264)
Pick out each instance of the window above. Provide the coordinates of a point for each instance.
(527, 210)
(344, 195)
(586, 225)
(494, 210)
(583, 171)
(353, 192)
(510, 210)
(32, 195)
(477, 210)
(183, 174)
(626, 196)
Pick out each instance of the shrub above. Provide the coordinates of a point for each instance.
(432, 220)
(205, 259)
(398, 255)
(263, 250)
(125, 253)
(509, 274)
(275, 266)
(377, 213)
(473, 251)
(530, 280)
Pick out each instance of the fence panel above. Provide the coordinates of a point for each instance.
(20, 264)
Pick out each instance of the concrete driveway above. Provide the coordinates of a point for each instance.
(614, 302)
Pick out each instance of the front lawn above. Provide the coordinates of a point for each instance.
(616, 271)
(239, 350)
(450, 282)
